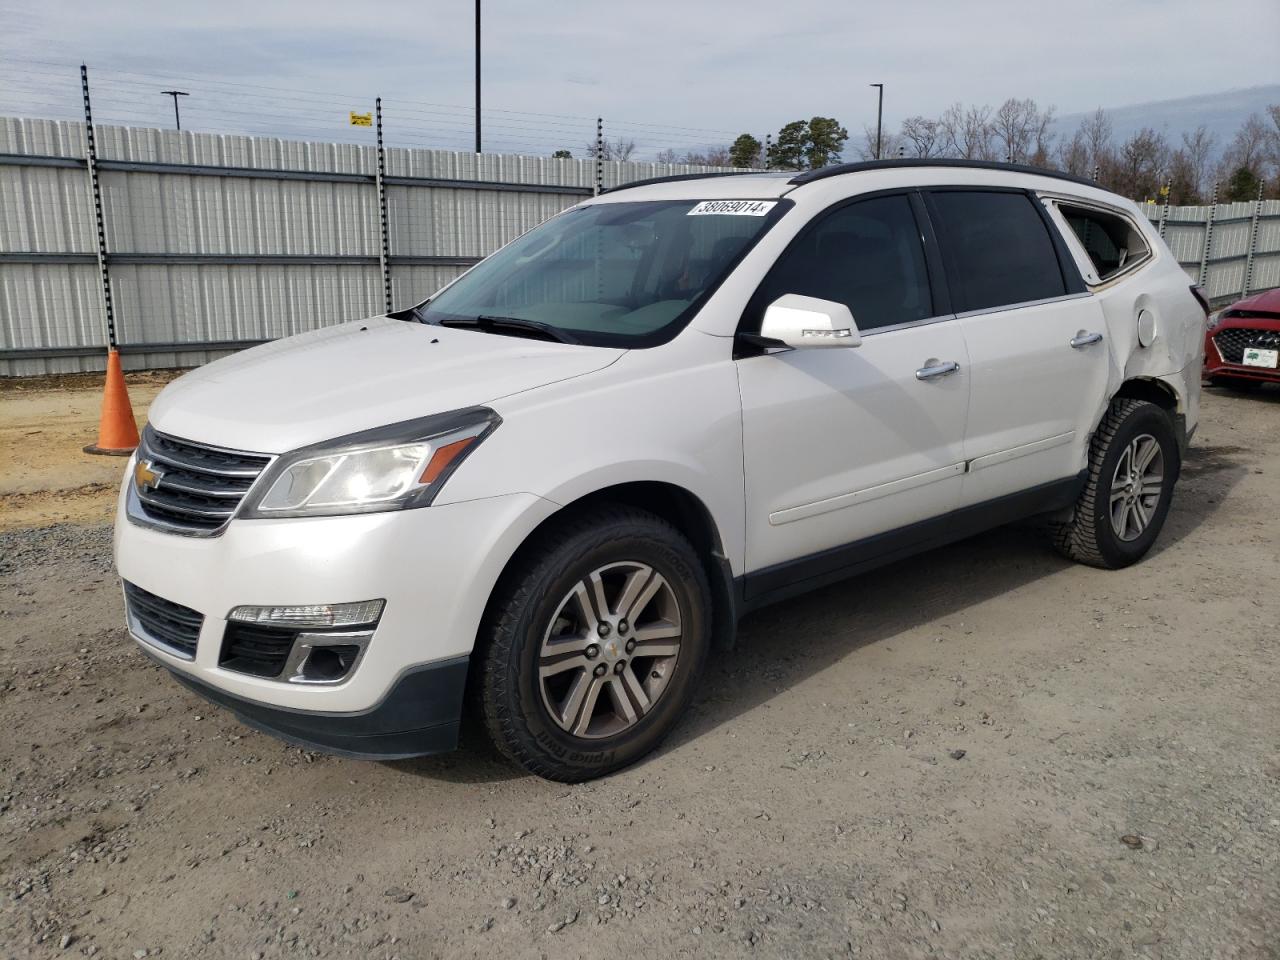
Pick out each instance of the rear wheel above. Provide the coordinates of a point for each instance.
(1133, 465)
(593, 645)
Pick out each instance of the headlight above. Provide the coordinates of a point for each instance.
(1214, 319)
(391, 468)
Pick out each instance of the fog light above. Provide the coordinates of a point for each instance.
(329, 664)
(320, 658)
(312, 616)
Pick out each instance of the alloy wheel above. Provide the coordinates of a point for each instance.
(1136, 487)
(610, 650)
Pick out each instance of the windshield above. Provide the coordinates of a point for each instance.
(611, 274)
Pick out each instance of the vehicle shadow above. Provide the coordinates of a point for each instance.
(1262, 393)
(1209, 473)
(785, 644)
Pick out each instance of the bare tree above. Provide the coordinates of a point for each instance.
(967, 132)
(1013, 128)
(616, 149)
(667, 156)
(1274, 137)
(1142, 160)
(1273, 140)
(921, 137)
(1042, 150)
(1073, 155)
(1184, 182)
(710, 157)
(1097, 133)
(891, 144)
(1198, 147)
(1249, 147)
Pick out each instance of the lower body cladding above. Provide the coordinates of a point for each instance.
(389, 685)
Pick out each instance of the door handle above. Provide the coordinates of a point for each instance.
(936, 368)
(1083, 339)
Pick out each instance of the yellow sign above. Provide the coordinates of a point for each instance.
(361, 119)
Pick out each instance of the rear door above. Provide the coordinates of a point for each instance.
(1038, 354)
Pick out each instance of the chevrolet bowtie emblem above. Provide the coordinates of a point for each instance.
(146, 475)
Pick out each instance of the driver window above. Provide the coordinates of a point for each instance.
(867, 255)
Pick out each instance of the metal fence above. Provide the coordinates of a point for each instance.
(212, 243)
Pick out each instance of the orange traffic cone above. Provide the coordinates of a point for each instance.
(117, 431)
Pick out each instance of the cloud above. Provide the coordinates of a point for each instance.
(666, 72)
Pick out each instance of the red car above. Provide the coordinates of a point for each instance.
(1242, 344)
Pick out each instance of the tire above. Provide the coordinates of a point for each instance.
(1093, 536)
(546, 616)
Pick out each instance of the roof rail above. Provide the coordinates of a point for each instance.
(677, 177)
(842, 168)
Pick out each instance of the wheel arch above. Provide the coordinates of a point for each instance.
(673, 503)
(1162, 394)
(1152, 390)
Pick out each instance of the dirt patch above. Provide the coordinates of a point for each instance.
(45, 423)
(984, 752)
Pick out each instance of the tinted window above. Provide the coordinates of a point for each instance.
(1110, 241)
(867, 255)
(997, 249)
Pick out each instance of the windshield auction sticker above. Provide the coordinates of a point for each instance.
(733, 208)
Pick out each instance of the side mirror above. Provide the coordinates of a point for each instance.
(803, 322)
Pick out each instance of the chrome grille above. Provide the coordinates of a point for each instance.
(1231, 342)
(197, 487)
(163, 623)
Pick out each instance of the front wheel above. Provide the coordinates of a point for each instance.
(593, 644)
(1133, 464)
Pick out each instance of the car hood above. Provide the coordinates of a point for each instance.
(369, 373)
(1268, 301)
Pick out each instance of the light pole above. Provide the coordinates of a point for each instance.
(176, 94)
(477, 76)
(879, 116)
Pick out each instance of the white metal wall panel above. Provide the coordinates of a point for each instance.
(46, 210)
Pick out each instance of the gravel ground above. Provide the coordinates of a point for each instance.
(983, 752)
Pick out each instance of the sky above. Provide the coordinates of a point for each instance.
(666, 73)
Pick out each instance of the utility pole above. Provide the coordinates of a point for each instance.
(879, 116)
(176, 94)
(477, 76)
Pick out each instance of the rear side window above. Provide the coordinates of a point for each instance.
(1111, 241)
(867, 255)
(997, 249)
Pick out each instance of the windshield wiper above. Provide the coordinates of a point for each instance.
(483, 322)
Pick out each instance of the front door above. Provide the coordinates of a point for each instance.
(841, 445)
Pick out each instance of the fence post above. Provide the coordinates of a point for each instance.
(599, 155)
(1253, 242)
(1208, 237)
(384, 248)
(1164, 213)
(99, 222)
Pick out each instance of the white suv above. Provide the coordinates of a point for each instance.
(548, 491)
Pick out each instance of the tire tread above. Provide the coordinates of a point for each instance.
(1077, 538)
(515, 594)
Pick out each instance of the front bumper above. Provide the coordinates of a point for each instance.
(435, 567)
(1216, 366)
(418, 716)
